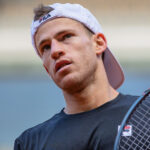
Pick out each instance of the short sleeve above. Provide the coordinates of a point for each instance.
(18, 145)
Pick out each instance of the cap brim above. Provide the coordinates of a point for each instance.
(113, 69)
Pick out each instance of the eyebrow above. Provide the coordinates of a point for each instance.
(57, 34)
(43, 41)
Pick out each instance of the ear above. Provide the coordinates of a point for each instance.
(100, 43)
(46, 68)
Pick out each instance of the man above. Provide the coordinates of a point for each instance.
(70, 42)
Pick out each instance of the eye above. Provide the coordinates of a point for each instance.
(45, 47)
(66, 36)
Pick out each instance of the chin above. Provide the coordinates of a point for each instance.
(70, 83)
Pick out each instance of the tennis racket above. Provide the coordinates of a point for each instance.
(134, 132)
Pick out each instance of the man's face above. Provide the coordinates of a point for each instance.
(67, 51)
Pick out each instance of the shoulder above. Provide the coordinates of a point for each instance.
(127, 99)
(37, 132)
(122, 103)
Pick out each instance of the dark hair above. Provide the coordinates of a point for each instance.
(41, 10)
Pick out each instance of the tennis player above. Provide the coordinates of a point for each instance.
(73, 49)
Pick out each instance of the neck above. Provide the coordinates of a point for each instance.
(90, 96)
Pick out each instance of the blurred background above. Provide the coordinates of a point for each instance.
(27, 94)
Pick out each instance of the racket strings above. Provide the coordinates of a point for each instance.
(146, 125)
(140, 129)
(140, 122)
(137, 141)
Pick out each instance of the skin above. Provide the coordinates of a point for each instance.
(72, 57)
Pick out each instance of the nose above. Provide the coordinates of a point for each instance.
(57, 49)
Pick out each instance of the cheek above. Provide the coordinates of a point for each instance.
(47, 64)
(86, 51)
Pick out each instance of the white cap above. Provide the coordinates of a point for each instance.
(77, 12)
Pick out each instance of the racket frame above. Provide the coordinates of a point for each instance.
(128, 114)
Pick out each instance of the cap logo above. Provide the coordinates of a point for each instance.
(42, 19)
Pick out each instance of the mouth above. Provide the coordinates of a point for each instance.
(61, 64)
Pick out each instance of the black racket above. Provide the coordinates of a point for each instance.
(134, 132)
